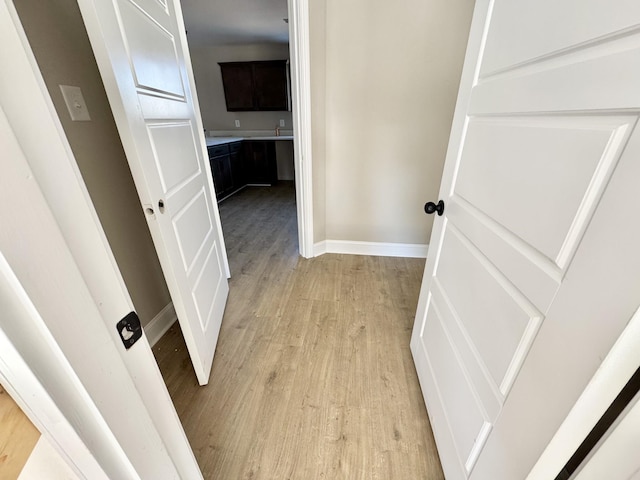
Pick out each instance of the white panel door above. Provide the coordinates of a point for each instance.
(533, 268)
(140, 46)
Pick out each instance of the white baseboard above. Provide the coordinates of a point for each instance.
(376, 249)
(159, 325)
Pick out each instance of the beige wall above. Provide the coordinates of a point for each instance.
(59, 40)
(211, 94)
(392, 75)
(317, 47)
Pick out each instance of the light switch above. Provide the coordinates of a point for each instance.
(75, 103)
(281, 122)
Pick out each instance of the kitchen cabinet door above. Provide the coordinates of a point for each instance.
(237, 166)
(260, 162)
(255, 86)
(237, 81)
(270, 83)
(220, 161)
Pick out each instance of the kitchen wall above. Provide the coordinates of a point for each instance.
(211, 94)
(59, 40)
(390, 86)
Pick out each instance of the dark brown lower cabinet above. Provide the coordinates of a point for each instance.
(237, 170)
(226, 169)
(260, 162)
(234, 165)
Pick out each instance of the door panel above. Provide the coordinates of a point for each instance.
(494, 315)
(466, 418)
(566, 82)
(141, 51)
(175, 153)
(531, 272)
(531, 175)
(151, 47)
(515, 36)
(538, 138)
(206, 287)
(192, 226)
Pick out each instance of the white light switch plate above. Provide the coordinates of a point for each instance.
(75, 103)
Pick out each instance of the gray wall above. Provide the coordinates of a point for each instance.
(58, 38)
(211, 94)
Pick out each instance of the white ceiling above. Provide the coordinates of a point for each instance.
(235, 22)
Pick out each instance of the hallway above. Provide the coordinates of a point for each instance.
(313, 377)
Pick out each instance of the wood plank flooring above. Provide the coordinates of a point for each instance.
(18, 436)
(313, 377)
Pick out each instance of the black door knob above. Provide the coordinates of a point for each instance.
(431, 207)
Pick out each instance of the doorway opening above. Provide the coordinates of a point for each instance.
(249, 66)
(97, 142)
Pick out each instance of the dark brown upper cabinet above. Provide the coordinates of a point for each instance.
(255, 86)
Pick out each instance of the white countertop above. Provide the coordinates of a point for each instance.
(212, 141)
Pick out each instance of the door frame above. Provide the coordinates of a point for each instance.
(613, 374)
(26, 390)
(300, 54)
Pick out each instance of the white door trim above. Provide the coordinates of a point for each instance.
(33, 119)
(615, 455)
(301, 92)
(615, 371)
(25, 389)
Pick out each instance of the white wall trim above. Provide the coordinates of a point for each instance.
(615, 371)
(158, 326)
(377, 249)
(24, 388)
(320, 248)
(300, 54)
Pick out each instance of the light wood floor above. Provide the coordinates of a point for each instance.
(18, 436)
(313, 377)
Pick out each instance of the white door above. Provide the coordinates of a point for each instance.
(533, 268)
(140, 47)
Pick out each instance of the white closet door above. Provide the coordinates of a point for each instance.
(532, 270)
(143, 58)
